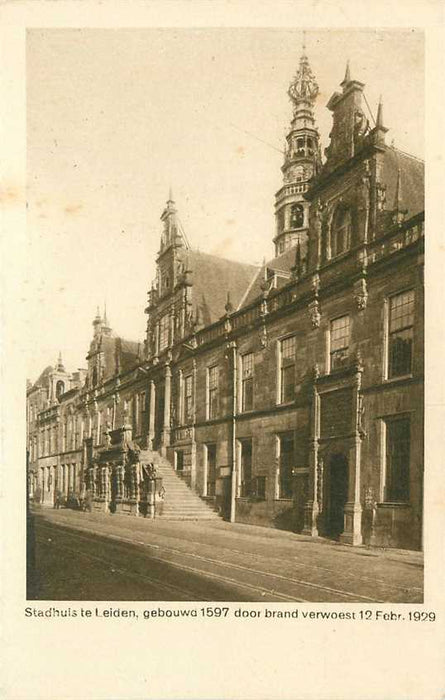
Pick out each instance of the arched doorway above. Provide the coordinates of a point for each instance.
(336, 494)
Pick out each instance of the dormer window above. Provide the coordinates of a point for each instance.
(297, 216)
(341, 231)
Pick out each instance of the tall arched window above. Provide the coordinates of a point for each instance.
(341, 231)
(297, 216)
(60, 388)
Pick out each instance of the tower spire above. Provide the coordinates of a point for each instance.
(60, 366)
(301, 160)
(105, 314)
(97, 323)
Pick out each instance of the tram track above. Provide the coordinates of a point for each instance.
(190, 595)
(340, 594)
(252, 555)
(119, 570)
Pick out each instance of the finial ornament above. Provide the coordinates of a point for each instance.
(379, 120)
(229, 306)
(304, 87)
(347, 78)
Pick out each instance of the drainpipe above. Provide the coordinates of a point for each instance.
(234, 479)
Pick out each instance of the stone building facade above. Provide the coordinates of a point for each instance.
(291, 394)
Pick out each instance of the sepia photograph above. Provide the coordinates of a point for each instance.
(225, 353)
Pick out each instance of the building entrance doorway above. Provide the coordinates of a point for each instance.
(336, 494)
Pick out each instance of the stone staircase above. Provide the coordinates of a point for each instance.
(180, 502)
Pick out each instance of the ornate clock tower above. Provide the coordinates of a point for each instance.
(302, 161)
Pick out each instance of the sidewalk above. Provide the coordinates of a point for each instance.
(218, 532)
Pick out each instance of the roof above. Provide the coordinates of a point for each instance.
(411, 179)
(212, 278)
(281, 264)
(129, 353)
(42, 381)
(119, 354)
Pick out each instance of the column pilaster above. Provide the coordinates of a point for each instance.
(311, 510)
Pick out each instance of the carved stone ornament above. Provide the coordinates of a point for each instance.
(264, 340)
(361, 293)
(315, 283)
(381, 196)
(314, 313)
(227, 326)
(303, 88)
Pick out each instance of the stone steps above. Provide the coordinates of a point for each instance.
(179, 502)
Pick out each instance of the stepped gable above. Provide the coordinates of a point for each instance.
(412, 177)
(213, 277)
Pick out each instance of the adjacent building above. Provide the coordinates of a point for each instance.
(288, 395)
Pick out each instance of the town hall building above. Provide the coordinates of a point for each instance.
(287, 395)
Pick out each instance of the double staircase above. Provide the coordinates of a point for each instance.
(179, 501)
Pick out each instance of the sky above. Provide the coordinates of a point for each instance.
(115, 117)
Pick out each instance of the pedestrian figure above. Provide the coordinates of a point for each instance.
(37, 494)
(58, 500)
(88, 502)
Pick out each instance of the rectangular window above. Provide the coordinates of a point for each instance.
(98, 428)
(142, 400)
(261, 487)
(287, 370)
(339, 342)
(398, 435)
(164, 327)
(211, 469)
(213, 373)
(247, 486)
(179, 461)
(135, 414)
(287, 459)
(400, 334)
(247, 382)
(188, 399)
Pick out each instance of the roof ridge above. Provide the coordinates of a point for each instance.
(220, 257)
(249, 287)
(408, 155)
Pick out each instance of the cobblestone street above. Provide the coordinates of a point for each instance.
(81, 556)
